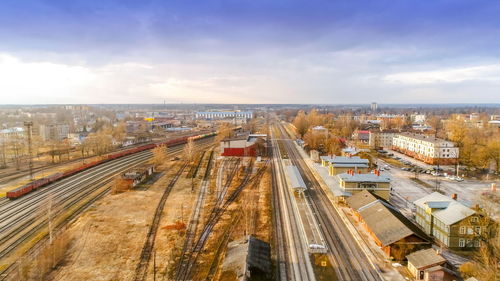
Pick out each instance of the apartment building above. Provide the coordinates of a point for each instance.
(451, 223)
(425, 148)
(54, 131)
(381, 138)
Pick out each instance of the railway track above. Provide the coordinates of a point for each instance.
(354, 265)
(19, 221)
(299, 265)
(186, 256)
(141, 270)
(187, 270)
(279, 237)
(194, 221)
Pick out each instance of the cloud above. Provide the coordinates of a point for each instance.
(485, 73)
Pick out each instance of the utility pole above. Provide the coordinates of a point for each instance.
(29, 125)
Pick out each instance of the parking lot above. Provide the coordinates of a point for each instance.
(404, 186)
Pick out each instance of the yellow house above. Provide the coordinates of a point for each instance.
(376, 183)
(341, 164)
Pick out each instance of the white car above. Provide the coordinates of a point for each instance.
(459, 179)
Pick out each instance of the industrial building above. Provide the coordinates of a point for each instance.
(340, 164)
(426, 148)
(248, 145)
(249, 259)
(392, 231)
(224, 114)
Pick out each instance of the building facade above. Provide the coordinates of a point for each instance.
(425, 148)
(376, 183)
(11, 133)
(340, 164)
(392, 231)
(381, 138)
(451, 223)
(224, 114)
(54, 132)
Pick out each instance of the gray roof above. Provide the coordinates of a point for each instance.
(350, 165)
(386, 223)
(364, 177)
(424, 258)
(248, 256)
(427, 138)
(446, 209)
(293, 174)
(361, 199)
(345, 160)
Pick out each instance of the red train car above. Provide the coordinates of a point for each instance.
(22, 190)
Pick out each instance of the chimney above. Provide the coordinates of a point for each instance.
(454, 196)
(359, 171)
(493, 187)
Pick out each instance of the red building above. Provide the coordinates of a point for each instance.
(248, 145)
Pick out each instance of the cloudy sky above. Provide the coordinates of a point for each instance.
(253, 51)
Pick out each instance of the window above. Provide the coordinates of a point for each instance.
(478, 230)
(477, 243)
(461, 242)
(470, 231)
(462, 230)
(447, 229)
(474, 219)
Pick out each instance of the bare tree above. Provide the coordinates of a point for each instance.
(189, 153)
(159, 154)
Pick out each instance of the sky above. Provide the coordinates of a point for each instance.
(253, 51)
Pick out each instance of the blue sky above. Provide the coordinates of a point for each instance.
(84, 51)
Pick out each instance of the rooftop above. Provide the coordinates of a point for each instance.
(427, 138)
(293, 174)
(364, 177)
(446, 209)
(345, 160)
(425, 258)
(246, 255)
(386, 223)
(12, 130)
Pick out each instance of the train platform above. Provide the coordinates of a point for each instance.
(310, 228)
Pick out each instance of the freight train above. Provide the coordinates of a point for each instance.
(27, 188)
